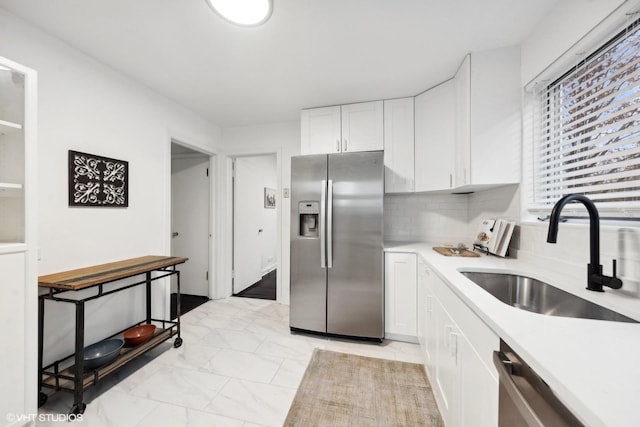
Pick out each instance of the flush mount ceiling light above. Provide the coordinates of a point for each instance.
(247, 13)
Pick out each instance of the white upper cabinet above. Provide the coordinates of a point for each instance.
(321, 132)
(462, 117)
(398, 145)
(346, 128)
(435, 138)
(362, 126)
(488, 119)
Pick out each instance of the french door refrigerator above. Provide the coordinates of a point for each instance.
(337, 265)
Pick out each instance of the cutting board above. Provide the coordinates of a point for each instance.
(449, 252)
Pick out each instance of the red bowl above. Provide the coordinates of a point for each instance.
(139, 334)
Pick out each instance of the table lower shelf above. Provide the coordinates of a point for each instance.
(64, 379)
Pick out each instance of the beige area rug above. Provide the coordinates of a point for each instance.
(347, 390)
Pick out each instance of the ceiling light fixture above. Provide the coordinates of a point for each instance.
(248, 13)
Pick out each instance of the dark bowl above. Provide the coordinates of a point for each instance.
(101, 353)
(139, 334)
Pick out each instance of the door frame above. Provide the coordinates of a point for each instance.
(226, 252)
(234, 160)
(213, 178)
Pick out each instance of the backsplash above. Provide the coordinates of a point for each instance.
(570, 255)
(437, 218)
(446, 218)
(449, 219)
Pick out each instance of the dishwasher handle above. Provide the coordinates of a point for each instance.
(505, 373)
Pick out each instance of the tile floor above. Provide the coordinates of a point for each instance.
(239, 365)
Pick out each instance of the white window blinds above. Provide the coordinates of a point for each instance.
(587, 130)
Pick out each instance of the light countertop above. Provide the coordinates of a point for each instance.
(592, 365)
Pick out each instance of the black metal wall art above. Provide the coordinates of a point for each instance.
(97, 181)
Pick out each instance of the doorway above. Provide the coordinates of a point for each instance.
(255, 226)
(190, 225)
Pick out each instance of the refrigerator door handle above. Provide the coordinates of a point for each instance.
(323, 207)
(330, 225)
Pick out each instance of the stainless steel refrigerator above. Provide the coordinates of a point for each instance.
(337, 265)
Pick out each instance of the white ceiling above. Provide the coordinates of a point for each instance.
(310, 53)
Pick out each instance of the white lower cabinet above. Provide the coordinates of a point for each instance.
(458, 349)
(479, 391)
(400, 296)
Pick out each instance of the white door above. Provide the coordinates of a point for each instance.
(254, 224)
(190, 221)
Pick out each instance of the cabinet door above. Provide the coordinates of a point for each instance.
(430, 323)
(400, 294)
(462, 81)
(320, 130)
(435, 138)
(495, 118)
(398, 145)
(363, 126)
(13, 319)
(422, 305)
(479, 391)
(447, 377)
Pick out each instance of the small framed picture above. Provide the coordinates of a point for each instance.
(269, 198)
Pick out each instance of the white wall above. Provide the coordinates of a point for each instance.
(86, 106)
(284, 140)
(255, 251)
(564, 26)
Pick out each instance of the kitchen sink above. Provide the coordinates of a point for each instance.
(536, 296)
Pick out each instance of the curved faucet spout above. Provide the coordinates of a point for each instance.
(594, 224)
(595, 278)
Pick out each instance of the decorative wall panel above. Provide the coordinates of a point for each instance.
(97, 181)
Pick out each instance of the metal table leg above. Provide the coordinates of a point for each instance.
(148, 286)
(178, 341)
(42, 397)
(78, 388)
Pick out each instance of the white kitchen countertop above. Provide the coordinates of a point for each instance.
(593, 366)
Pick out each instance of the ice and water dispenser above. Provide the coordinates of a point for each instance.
(309, 218)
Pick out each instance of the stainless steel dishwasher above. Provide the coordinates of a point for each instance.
(524, 398)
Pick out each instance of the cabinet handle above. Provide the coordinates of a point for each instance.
(429, 305)
(465, 175)
(450, 180)
(448, 330)
(453, 347)
(344, 148)
(338, 145)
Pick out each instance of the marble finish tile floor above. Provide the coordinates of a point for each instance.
(239, 365)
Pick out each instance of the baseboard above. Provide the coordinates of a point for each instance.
(400, 337)
(269, 269)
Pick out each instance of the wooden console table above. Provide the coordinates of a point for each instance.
(68, 373)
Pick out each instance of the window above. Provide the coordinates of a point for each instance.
(586, 130)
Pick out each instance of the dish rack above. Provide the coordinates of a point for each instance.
(68, 374)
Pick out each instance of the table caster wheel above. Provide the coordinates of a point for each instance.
(78, 409)
(42, 398)
(178, 342)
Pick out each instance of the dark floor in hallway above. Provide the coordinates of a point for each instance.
(265, 288)
(187, 303)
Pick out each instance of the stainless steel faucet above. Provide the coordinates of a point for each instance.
(595, 278)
